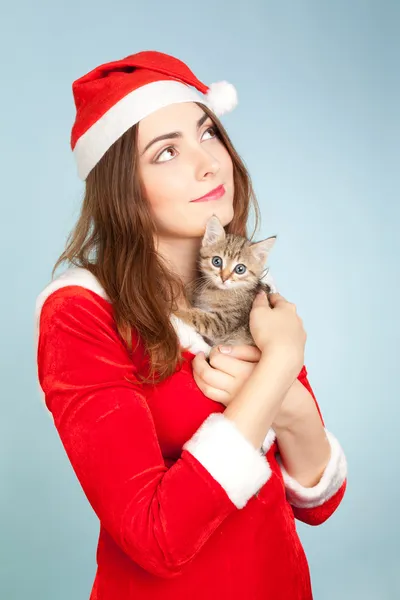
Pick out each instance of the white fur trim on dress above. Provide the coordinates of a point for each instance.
(268, 440)
(230, 458)
(128, 111)
(331, 481)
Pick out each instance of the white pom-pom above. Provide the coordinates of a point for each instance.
(222, 97)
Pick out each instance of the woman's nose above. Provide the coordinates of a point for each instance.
(206, 164)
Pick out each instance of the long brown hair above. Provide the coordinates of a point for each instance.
(114, 239)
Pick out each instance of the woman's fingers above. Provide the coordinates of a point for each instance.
(213, 393)
(214, 384)
(223, 377)
(261, 299)
(239, 369)
(275, 299)
(239, 351)
(211, 376)
(278, 300)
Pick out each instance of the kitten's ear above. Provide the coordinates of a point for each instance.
(261, 249)
(214, 231)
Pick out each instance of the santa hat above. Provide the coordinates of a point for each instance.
(116, 95)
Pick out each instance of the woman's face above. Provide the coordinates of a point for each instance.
(188, 163)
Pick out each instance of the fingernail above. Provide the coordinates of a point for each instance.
(225, 349)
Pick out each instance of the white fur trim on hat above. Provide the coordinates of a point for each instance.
(131, 109)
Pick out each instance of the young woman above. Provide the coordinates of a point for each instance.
(196, 469)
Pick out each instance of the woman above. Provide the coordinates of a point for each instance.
(195, 469)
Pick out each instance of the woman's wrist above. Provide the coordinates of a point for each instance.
(285, 362)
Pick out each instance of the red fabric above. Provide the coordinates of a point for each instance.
(319, 514)
(99, 90)
(167, 528)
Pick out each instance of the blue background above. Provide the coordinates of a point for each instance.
(318, 127)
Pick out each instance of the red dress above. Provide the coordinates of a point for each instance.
(188, 508)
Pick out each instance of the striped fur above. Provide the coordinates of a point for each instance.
(232, 271)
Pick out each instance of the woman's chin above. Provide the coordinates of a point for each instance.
(222, 210)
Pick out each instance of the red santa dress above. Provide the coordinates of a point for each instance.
(187, 507)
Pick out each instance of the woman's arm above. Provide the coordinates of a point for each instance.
(310, 453)
(303, 443)
(312, 462)
(255, 406)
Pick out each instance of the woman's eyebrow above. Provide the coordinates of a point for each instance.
(173, 134)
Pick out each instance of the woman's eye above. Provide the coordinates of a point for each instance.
(164, 157)
(213, 131)
(169, 149)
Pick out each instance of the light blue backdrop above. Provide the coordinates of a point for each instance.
(318, 126)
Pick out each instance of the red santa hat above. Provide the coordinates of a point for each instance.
(116, 95)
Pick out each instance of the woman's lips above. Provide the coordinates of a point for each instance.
(213, 195)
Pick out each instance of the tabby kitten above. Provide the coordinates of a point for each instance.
(231, 269)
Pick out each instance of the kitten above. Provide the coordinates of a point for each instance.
(231, 268)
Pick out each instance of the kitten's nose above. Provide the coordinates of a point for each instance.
(225, 275)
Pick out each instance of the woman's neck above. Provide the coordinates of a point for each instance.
(181, 257)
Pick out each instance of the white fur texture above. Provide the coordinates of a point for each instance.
(222, 97)
(332, 479)
(230, 458)
(268, 440)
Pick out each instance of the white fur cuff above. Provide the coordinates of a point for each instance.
(332, 479)
(230, 458)
(268, 440)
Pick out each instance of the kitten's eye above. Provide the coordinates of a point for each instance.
(240, 269)
(216, 261)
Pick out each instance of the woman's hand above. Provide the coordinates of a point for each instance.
(278, 329)
(222, 379)
(224, 376)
